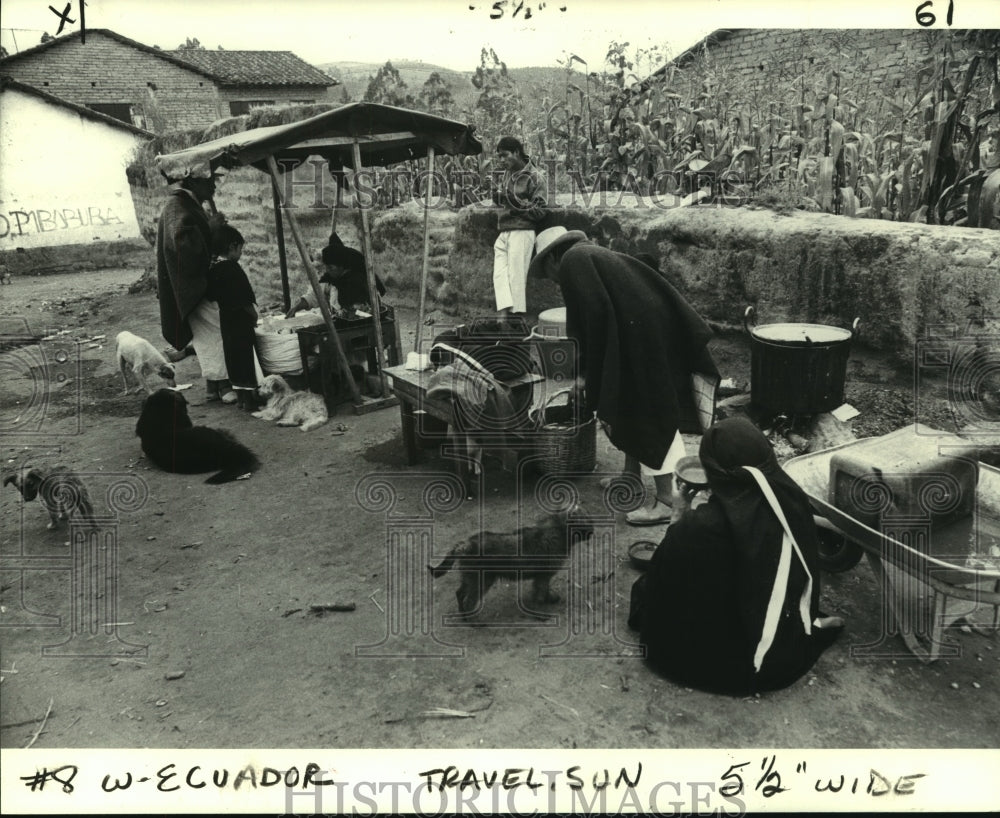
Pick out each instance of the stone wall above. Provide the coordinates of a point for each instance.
(899, 279)
(75, 258)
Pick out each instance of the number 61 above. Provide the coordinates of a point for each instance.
(927, 18)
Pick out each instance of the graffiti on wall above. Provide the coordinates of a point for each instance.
(15, 223)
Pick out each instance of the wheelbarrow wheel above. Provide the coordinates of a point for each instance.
(836, 553)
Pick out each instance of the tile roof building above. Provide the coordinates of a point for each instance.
(161, 90)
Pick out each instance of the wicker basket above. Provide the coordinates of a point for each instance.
(562, 444)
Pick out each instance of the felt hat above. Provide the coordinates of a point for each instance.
(547, 241)
(342, 256)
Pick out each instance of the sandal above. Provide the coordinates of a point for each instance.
(175, 355)
(657, 514)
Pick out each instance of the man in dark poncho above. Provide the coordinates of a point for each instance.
(643, 358)
(183, 257)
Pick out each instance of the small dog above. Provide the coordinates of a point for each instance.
(534, 552)
(288, 407)
(140, 359)
(175, 444)
(61, 493)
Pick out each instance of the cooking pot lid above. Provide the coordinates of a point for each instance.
(800, 333)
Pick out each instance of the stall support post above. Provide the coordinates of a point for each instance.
(372, 288)
(324, 307)
(286, 295)
(427, 250)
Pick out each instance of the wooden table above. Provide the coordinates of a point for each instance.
(410, 387)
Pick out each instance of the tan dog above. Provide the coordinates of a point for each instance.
(288, 407)
(144, 362)
(61, 493)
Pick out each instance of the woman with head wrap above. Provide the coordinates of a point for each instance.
(344, 278)
(730, 602)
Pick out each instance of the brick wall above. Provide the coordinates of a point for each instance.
(305, 94)
(108, 71)
(882, 59)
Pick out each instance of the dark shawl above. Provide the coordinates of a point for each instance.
(639, 342)
(352, 286)
(705, 595)
(230, 288)
(183, 242)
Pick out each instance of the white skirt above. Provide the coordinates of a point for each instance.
(674, 453)
(206, 327)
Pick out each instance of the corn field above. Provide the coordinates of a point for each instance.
(822, 137)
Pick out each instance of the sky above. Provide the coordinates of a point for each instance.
(451, 33)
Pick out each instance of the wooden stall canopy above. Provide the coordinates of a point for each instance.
(361, 134)
(385, 135)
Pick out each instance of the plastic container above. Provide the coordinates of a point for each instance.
(916, 474)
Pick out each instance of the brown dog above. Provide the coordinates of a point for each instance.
(61, 493)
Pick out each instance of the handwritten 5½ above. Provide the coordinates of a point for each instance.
(769, 783)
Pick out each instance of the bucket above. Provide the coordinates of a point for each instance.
(797, 369)
(552, 323)
(556, 353)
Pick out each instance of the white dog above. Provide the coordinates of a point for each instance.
(140, 359)
(288, 407)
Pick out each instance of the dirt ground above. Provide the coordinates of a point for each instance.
(216, 644)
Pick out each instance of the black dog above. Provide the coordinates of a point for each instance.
(175, 444)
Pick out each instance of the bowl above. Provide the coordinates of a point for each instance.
(641, 553)
(690, 470)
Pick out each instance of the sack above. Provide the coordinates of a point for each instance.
(499, 344)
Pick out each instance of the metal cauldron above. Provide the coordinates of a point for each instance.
(797, 369)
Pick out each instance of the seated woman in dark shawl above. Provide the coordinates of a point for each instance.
(344, 269)
(729, 603)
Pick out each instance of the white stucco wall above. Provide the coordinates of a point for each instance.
(62, 176)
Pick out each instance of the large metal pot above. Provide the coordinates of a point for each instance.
(797, 369)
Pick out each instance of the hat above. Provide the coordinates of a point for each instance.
(343, 256)
(549, 239)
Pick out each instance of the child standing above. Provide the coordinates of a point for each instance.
(230, 288)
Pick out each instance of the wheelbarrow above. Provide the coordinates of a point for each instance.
(929, 579)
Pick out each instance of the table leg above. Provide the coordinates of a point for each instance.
(407, 422)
